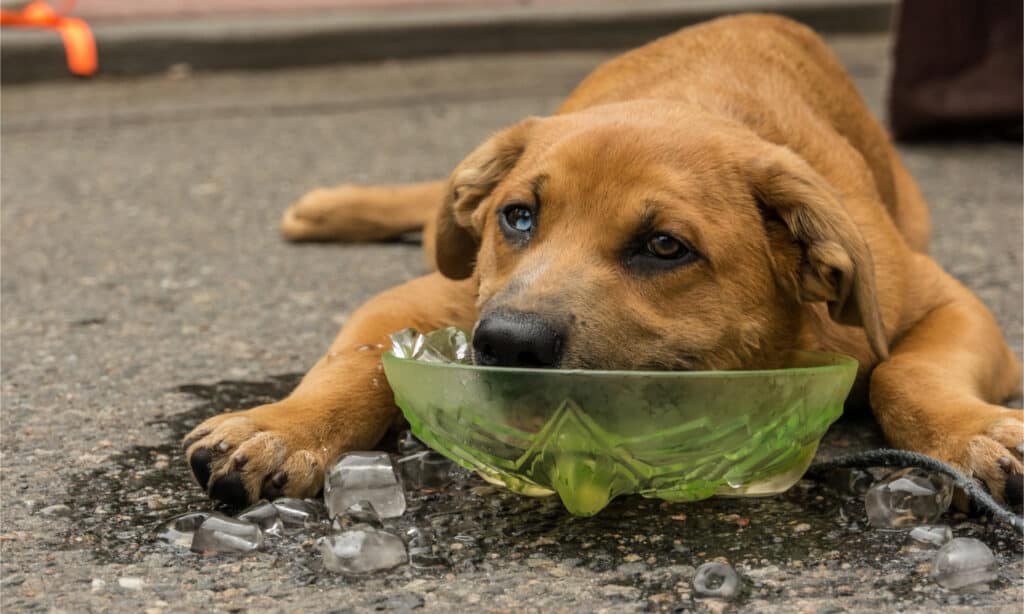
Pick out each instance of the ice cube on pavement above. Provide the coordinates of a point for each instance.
(422, 552)
(426, 469)
(296, 512)
(716, 580)
(178, 531)
(849, 481)
(964, 562)
(360, 512)
(364, 476)
(907, 498)
(930, 535)
(362, 549)
(408, 444)
(264, 515)
(220, 533)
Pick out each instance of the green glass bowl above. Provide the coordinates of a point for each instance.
(593, 435)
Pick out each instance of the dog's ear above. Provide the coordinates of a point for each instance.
(458, 231)
(836, 265)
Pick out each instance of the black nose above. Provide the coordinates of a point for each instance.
(516, 339)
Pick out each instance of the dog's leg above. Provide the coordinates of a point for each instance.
(343, 403)
(362, 213)
(939, 391)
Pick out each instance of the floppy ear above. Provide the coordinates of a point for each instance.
(836, 266)
(458, 237)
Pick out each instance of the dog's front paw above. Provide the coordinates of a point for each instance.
(991, 451)
(241, 457)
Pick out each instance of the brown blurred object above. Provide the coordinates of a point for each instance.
(958, 70)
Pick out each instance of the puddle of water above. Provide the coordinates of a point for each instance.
(483, 529)
(116, 507)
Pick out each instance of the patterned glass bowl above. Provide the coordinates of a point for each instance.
(593, 435)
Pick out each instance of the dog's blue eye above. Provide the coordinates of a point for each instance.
(519, 218)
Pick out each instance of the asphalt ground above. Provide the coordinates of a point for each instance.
(141, 265)
(134, 38)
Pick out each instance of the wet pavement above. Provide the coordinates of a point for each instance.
(145, 288)
(810, 544)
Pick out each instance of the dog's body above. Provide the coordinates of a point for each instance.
(715, 197)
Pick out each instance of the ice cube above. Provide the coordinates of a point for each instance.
(360, 512)
(296, 512)
(266, 516)
(426, 469)
(178, 531)
(849, 481)
(442, 345)
(964, 562)
(364, 476)
(716, 580)
(422, 552)
(908, 498)
(220, 533)
(408, 444)
(931, 535)
(403, 341)
(362, 549)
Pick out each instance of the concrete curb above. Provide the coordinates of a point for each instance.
(278, 41)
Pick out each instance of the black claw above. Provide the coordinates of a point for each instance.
(200, 463)
(230, 489)
(1015, 490)
(273, 486)
(186, 444)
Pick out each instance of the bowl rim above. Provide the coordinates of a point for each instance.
(840, 362)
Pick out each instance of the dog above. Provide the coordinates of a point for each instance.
(706, 201)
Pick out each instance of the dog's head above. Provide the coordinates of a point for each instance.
(645, 237)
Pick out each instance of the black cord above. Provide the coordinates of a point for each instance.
(901, 458)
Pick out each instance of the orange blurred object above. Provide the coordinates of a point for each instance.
(79, 44)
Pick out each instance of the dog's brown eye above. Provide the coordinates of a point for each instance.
(655, 252)
(664, 246)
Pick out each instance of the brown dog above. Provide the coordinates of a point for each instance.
(703, 202)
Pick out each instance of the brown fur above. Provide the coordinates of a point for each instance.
(742, 135)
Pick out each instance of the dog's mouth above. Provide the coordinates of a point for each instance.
(525, 360)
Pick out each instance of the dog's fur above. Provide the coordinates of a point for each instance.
(742, 136)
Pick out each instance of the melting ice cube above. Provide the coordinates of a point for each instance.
(422, 552)
(178, 531)
(362, 549)
(364, 476)
(443, 345)
(848, 481)
(964, 562)
(716, 580)
(220, 533)
(908, 498)
(426, 469)
(403, 341)
(360, 512)
(931, 535)
(297, 512)
(265, 515)
(408, 444)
